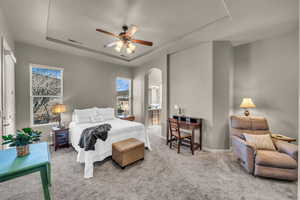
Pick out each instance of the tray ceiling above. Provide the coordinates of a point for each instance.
(172, 25)
(162, 22)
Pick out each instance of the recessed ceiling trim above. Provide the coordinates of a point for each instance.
(170, 42)
(85, 48)
(226, 8)
(166, 44)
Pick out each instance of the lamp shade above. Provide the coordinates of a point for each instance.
(247, 103)
(59, 108)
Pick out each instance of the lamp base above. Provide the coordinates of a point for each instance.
(247, 113)
(59, 122)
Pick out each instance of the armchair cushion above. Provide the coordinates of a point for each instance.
(259, 123)
(290, 149)
(274, 159)
(251, 125)
(263, 142)
(240, 122)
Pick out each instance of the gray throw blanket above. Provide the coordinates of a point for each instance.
(90, 135)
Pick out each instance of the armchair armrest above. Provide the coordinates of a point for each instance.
(244, 152)
(288, 148)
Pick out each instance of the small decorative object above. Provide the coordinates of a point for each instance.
(247, 103)
(21, 140)
(126, 109)
(179, 109)
(58, 109)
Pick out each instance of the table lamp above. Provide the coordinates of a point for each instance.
(247, 103)
(58, 109)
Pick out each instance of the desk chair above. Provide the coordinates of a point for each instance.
(177, 135)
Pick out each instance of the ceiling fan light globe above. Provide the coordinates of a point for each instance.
(128, 51)
(131, 46)
(133, 29)
(120, 44)
(118, 49)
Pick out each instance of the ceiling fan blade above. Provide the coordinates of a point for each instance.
(111, 44)
(143, 42)
(132, 30)
(106, 32)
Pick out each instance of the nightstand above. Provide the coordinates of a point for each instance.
(128, 117)
(60, 137)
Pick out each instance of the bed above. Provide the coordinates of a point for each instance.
(121, 129)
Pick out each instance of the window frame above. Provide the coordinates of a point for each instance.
(130, 94)
(31, 96)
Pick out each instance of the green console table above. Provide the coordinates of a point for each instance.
(38, 160)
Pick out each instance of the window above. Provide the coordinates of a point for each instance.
(123, 87)
(46, 90)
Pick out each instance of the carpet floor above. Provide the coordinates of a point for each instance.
(163, 174)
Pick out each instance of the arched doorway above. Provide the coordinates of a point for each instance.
(153, 99)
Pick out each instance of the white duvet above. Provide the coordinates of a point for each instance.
(121, 129)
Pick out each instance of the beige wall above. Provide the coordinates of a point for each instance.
(191, 84)
(267, 71)
(223, 66)
(87, 82)
(201, 83)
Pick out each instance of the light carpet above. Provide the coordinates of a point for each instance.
(163, 174)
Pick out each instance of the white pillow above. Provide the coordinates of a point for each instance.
(106, 113)
(84, 115)
(96, 118)
(260, 142)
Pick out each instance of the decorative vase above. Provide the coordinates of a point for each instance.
(22, 150)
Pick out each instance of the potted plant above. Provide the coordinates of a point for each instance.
(22, 139)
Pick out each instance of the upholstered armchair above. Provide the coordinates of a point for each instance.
(279, 164)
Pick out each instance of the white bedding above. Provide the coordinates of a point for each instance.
(121, 129)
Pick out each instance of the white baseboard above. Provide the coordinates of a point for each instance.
(217, 150)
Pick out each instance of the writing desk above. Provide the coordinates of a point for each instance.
(192, 124)
(37, 161)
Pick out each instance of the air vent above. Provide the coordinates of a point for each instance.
(74, 41)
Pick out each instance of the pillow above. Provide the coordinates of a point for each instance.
(260, 142)
(82, 119)
(96, 118)
(84, 115)
(107, 113)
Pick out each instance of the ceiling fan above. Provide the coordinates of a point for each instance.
(125, 39)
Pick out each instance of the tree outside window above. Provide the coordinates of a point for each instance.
(123, 89)
(46, 91)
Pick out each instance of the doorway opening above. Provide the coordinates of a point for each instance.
(154, 101)
(7, 92)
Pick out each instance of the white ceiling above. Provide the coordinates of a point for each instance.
(171, 24)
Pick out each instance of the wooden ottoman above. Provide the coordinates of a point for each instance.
(127, 151)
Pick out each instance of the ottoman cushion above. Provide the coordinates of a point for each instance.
(127, 151)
